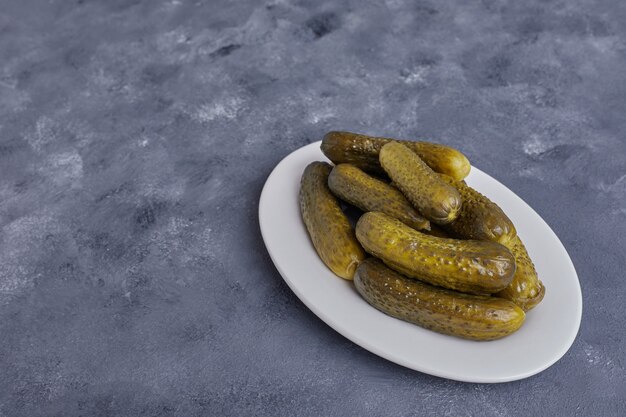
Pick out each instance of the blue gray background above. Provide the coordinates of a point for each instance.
(135, 138)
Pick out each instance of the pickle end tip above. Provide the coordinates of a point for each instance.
(350, 270)
(531, 303)
(446, 217)
(519, 320)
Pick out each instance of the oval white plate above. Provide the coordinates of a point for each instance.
(548, 333)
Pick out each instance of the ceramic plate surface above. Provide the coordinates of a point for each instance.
(547, 334)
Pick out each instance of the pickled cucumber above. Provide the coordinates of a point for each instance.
(362, 151)
(471, 266)
(354, 186)
(526, 290)
(328, 227)
(479, 218)
(449, 312)
(436, 200)
(436, 231)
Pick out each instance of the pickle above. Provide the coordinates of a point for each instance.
(328, 227)
(436, 200)
(472, 317)
(354, 186)
(362, 151)
(526, 290)
(479, 218)
(471, 266)
(436, 231)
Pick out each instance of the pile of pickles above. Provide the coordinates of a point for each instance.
(428, 248)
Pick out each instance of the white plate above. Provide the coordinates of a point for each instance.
(548, 333)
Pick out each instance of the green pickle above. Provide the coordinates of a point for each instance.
(449, 312)
(526, 290)
(356, 187)
(471, 266)
(436, 200)
(330, 231)
(479, 217)
(362, 151)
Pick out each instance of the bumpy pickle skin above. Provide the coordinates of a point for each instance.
(470, 266)
(436, 200)
(479, 217)
(356, 187)
(526, 290)
(449, 312)
(328, 227)
(362, 151)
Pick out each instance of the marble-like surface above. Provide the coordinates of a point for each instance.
(135, 137)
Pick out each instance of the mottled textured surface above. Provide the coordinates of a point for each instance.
(135, 137)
